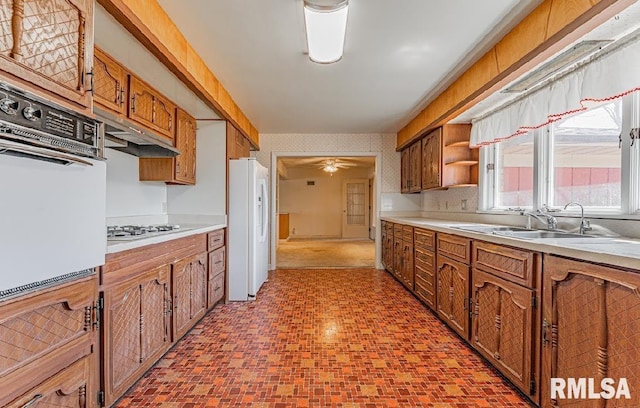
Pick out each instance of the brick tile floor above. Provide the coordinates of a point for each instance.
(344, 338)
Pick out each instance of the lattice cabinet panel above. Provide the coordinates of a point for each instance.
(49, 43)
(109, 83)
(590, 328)
(453, 294)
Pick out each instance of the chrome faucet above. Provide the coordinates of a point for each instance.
(585, 225)
(550, 220)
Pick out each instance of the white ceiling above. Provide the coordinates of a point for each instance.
(398, 55)
(317, 162)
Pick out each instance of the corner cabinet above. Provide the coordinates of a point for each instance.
(49, 44)
(590, 328)
(175, 170)
(109, 83)
(189, 292)
(152, 110)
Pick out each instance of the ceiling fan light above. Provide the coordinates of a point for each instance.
(326, 29)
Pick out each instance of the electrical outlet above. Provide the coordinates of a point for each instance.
(293, 231)
(463, 205)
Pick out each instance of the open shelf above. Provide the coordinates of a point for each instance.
(462, 163)
(462, 143)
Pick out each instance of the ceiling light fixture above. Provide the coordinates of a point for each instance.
(326, 28)
(330, 167)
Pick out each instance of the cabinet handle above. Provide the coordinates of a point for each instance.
(545, 329)
(121, 96)
(133, 103)
(33, 400)
(90, 75)
(466, 301)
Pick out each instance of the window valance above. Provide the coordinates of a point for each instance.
(606, 78)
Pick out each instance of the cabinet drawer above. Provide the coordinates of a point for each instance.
(217, 262)
(216, 290)
(407, 233)
(215, 239)
(68, 388)
(457, 248)
(397, 230)
(425, 259)
(52, 326)
(424, 240)
(425, 286)
(515, 265)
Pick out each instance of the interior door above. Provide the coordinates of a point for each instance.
(355, 210)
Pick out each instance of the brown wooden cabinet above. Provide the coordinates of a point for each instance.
(425, 266)
(590, 328)
(109, 83)
(48, 346)
(503, 327)
(217, 267)
(452, 274)
(136, 330)
(398, 256)
(175, 170)
(387, 245)
(49, 44)
(237, 145)
(505, 316)
(411, 168)
(447, 160)
(407, 274)
(151, 109)
(189, 285)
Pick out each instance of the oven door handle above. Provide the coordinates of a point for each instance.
(39, 153)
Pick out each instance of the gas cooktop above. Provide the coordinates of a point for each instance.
(131, 232)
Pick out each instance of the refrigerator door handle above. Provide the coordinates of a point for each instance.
(264, 215)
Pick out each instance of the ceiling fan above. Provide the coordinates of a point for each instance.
(332, 165)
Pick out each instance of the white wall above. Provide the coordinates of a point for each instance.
(316, 211)
(451, 200)
(391, 199)
(208, 196)
(126, 195)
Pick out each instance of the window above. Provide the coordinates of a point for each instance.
(587, 158)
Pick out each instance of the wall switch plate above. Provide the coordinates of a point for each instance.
(463, 205)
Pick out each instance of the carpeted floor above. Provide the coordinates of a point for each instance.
(326, 253)
(315, 338)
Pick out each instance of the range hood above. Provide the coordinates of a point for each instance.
(126, 137)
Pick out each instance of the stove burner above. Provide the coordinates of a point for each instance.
(129, 232)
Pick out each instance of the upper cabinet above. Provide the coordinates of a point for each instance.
(149, 108)
(49, 44)
(175, 170)
(441, 159)
(110, 83)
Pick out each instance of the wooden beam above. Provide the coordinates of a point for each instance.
(152, 26)
(549, 28)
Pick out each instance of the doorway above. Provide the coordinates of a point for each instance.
(326, 202)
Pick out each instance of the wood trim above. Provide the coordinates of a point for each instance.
(553, 25)
(151, 25)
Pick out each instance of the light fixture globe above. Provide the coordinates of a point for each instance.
(326, 26)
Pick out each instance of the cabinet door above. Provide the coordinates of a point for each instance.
(121, 331)
(415, 157)
(407, 264)
(431, 160)
(49, 43)
(109, 83)
(69, 388)
(164, 116)
(185, 162)
(154, 319)
(590, 328)
(198, 288)
(397, 257)
(502, 327)
(405, 170)
(453, 294)
(150, 109)
(181, 287)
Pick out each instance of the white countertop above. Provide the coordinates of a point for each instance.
(623, 252)
(185, 231)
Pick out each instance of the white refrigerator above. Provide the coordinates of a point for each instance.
(248, 228)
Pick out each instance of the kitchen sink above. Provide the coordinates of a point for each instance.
(539, 234)
(518, 232)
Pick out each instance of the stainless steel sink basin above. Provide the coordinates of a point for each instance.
(539, 234)
(517, 232)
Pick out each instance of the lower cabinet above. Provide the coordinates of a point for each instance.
(48, 343)
(407, 272)
(425, 266)
(503, 319)
(136, 329)
(215, 285)
(189, 292)
(453, 294)
(590, 330)
(398, 255)
(68, 388)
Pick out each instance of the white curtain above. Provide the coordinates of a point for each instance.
(604, 79)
